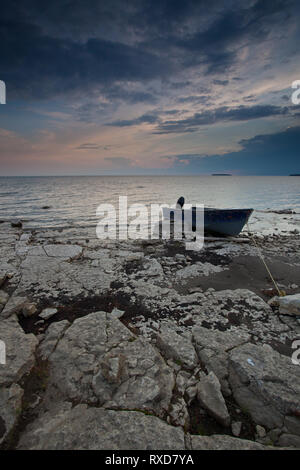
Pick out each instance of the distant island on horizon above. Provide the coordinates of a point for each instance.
(221, 174)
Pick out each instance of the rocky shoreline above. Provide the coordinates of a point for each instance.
(144, 345)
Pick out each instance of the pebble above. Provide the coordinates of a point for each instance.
(48, 313)
(116, 313)
(29, 309)
(260, 431)
(236, 428)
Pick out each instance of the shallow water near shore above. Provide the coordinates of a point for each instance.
(73, 200)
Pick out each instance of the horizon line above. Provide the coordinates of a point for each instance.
(145, 174)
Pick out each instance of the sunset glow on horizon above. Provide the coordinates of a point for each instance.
(147, 87)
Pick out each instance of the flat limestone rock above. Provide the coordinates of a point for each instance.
(176, 347)
(218, 341)
(20, 348)
(14, 305)
(63, 251)
(196, 270)
(99, 429)
(289, 305)
(45, 276)
(210, 396)
(289, 440)
(53, 334)
(266, 384)
(224, 442)
(10, 407)
(19, 360)
(212, 347)
(98, 360)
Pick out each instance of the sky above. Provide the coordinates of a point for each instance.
(149, 87)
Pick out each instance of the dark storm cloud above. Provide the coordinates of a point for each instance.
(144, 119)
(249, 98)
(221, 82)
(262, 154)
(168, 112)
(191, 124)
(70, 46)
(223, 31)
(222, 114)
(40, 66)
(195, 99)
(236, 24)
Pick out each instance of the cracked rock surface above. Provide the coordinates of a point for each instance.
(265, 383)
(82, 427)
(98, 360)
(20, 359)
(144, 345)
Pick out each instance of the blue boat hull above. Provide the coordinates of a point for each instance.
(226, 222)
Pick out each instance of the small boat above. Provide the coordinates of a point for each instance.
(224, 222)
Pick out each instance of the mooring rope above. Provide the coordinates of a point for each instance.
(280, 293)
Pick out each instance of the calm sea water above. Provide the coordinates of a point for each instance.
(73, 200)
